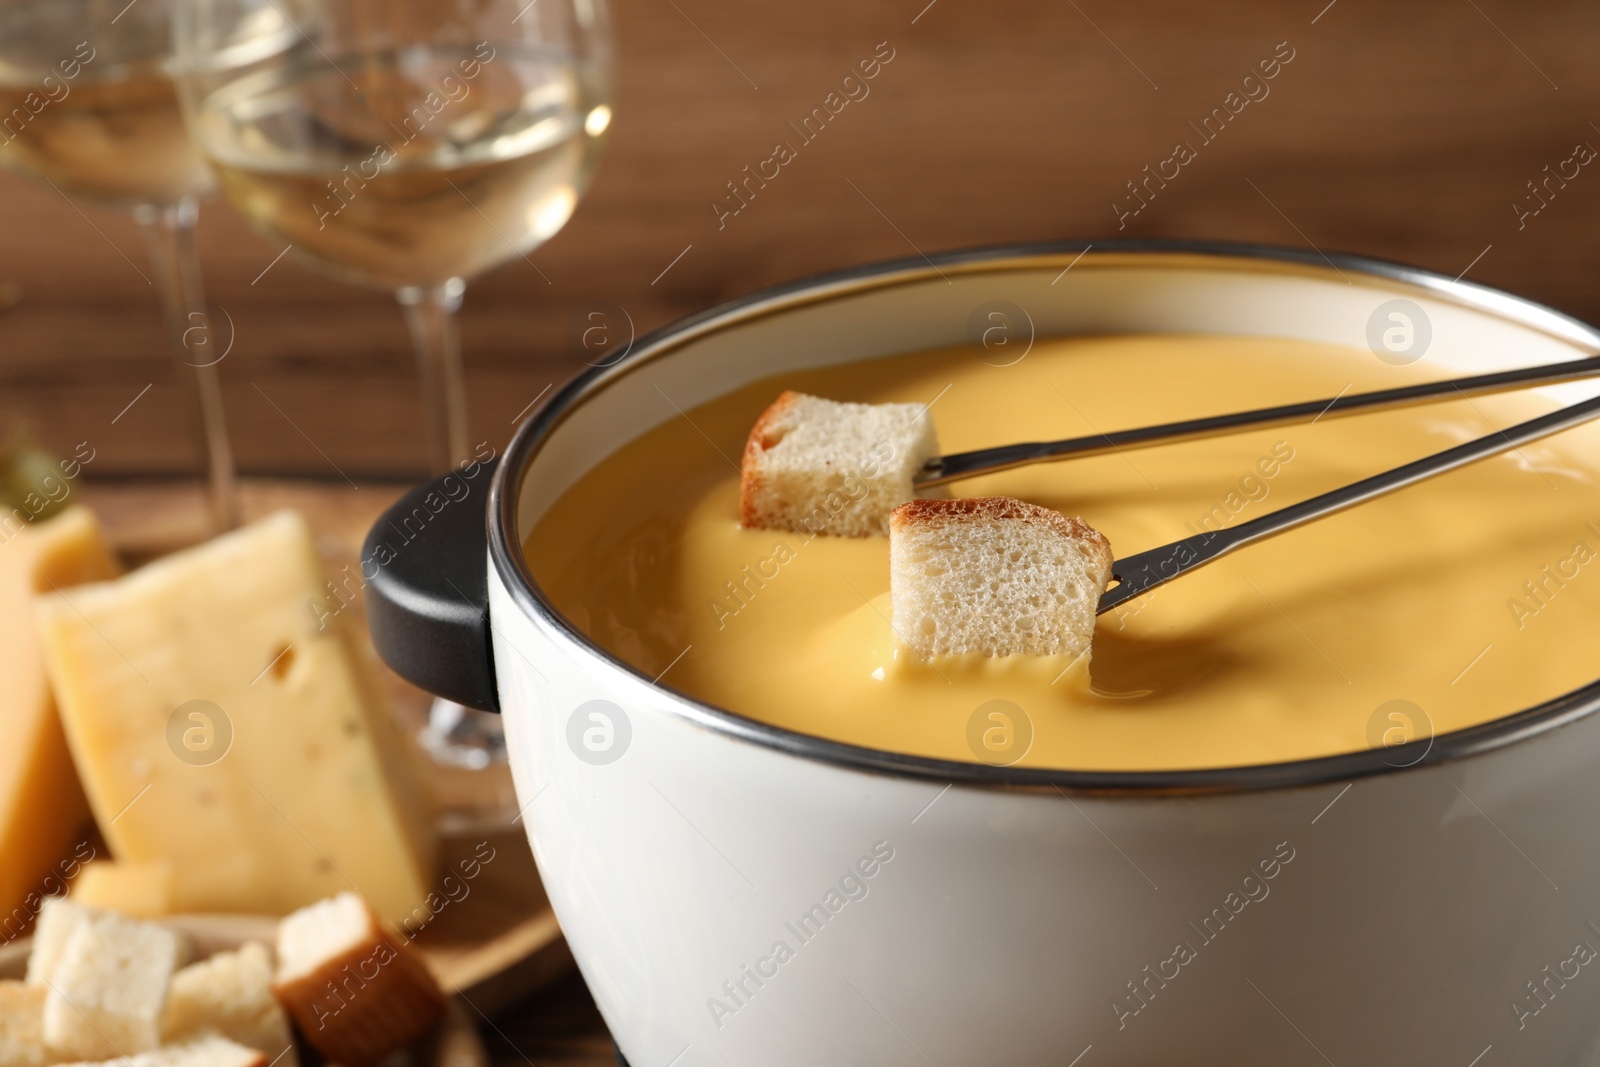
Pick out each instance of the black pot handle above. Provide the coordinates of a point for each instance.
(426, 566)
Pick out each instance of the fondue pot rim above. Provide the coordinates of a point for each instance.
(506, 554)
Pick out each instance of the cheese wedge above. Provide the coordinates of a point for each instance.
(142, 890)
(220, 728)
(41, 806)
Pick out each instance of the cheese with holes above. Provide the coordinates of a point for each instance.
(42, 809)
(218, 726)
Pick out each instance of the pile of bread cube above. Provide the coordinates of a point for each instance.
(106, 989)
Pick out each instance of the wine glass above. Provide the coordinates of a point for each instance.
(88, 106)
(409, 145)
(404, 144)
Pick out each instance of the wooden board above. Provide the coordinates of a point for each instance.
(498, 942)
(560, 1028)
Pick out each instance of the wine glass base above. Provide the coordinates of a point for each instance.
(464, 737)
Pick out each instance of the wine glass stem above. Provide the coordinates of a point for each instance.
(169, 235)
(431, 316)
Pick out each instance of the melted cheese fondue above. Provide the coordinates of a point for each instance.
(1467, 598)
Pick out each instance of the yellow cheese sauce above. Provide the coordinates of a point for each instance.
(1467, 598)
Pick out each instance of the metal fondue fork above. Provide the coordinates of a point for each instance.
(1005, 457)
(1138, 574)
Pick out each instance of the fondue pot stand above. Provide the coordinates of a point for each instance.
(740, 894)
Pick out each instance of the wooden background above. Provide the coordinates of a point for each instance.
(1399, 130)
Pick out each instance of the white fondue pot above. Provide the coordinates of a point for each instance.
(740, 894)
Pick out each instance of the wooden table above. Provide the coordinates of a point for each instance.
(1406, 131)
(561, 1028)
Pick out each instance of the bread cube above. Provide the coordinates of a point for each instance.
(356, 993)
(230, 995)
(22, 1026)
(825, 467)
(59, 919)
(995, 576)
(201, 1052)
(109, 988)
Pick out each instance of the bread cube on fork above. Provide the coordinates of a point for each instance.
(822, 466)
(995, 576)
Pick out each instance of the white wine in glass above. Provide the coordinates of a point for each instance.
(453, 197)
(88, 105)
(120, 140)
(406, 144)
(409, 145)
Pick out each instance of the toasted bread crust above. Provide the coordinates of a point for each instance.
(915, 513)
(361, 1005)
(750, 482)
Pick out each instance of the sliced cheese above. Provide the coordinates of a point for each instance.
(142, 890)
(41, 806)
(220, 728)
